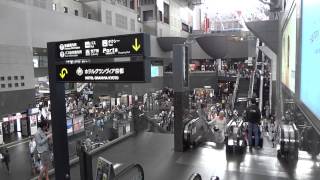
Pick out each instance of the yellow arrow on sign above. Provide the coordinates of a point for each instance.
(136, 45)
(63, 72)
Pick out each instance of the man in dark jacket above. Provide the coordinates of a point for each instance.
(253, 116)
(6, 159)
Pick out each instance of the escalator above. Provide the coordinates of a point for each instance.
(197, 131)
(243, 88)
(131, 172)
(107, 171)
(197, 176)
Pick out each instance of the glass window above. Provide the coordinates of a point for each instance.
(121, 21)
(3, 86)
(54, 6)
(9, 78)
(16, 84)
(22, 77)
(22, 84)
(132, 4)
(43, 61)
(65, 9)
(35, 61)
(2, 78)
(15, 77)
(132, 25)
(108, 17)
(76, 12)
(122, 2)
(166, 13)
(9, 85)
(160, 16)
(148, 15)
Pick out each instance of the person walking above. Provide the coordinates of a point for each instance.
(6, 159)
(219, 127)
(253, 116)
(32, 149)
(42, 142)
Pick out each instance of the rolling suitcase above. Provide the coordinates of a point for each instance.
(288, 142)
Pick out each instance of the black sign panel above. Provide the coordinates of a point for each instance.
(106, 72)
(111, 46)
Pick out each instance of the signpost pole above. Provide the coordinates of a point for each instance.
(58, 114)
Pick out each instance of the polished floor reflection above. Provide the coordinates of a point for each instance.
(155, 153)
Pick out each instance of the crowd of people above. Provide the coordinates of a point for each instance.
(165, 113)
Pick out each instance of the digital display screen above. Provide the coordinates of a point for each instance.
(310, 56)
(106, 72)
(69, 126)
(289, 52)
(111, 46)
(78, 123)
(156, 71)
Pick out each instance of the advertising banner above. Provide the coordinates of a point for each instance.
(310, 56)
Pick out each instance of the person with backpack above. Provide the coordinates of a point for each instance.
(253, 116)
(42, 143)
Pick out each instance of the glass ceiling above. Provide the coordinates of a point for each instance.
(248, 9)
(234, 11)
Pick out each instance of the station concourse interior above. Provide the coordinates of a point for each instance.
(159, 89)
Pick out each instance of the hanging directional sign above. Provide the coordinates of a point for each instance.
(102, 72)
(111, 46)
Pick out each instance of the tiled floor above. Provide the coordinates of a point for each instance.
(155, 153)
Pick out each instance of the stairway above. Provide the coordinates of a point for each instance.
(243, 87)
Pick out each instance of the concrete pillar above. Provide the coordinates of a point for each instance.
(180, 67)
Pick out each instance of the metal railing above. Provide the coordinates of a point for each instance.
(235, 90)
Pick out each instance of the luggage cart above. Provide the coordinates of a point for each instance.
(235, 136)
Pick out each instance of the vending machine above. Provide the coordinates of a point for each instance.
(1, 134)
(24, 128)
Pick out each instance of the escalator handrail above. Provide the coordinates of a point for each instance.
(128, 169)
(195, 176)
(161, 129)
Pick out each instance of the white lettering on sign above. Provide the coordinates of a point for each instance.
(69, 46)
(124, 52)
(92, 52)
(109, 42)
(113, 78)
(73, 52)
(110, 51)
(104, 71)
(89, 44)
